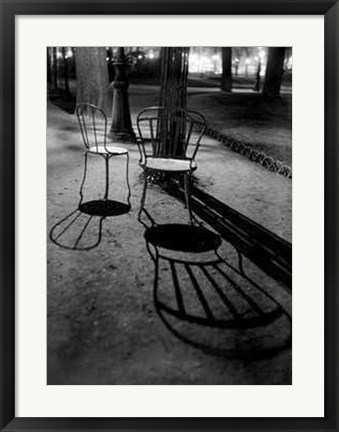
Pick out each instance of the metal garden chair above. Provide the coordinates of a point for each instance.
(93, 127)
(168, 143)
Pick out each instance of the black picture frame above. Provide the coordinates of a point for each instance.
(9, 10)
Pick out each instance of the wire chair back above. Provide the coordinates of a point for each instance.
(171, 135)
(93, 126)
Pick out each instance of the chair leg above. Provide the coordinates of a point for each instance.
(83, 180)
(107, 176)
(143, 197)
(187, 181)
(127, 181)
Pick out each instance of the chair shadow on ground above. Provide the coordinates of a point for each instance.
(209, 302)
(266, 250)
(81, 230)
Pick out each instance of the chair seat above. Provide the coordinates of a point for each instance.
(109, 149)
(168, 164)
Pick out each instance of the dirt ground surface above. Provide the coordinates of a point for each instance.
(103, 327)
(247, 117)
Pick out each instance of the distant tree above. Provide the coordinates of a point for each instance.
(49, 66)
(65, 69)
(274, 72)
(236, 55)
(92, 77)
(256, 86)
(226, 76)
(247, 59)
(54, 68)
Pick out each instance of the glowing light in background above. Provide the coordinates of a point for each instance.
(69, 53)
(289, 63)
(201, 63)
(262, 54)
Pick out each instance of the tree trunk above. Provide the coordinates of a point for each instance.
(226, 77)
(173, 97)
(92, 78)
(274, 72)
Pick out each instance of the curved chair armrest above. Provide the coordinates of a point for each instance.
(201, 134)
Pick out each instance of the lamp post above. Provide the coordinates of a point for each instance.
(121, 125)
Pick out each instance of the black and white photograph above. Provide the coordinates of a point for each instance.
(169, 215)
